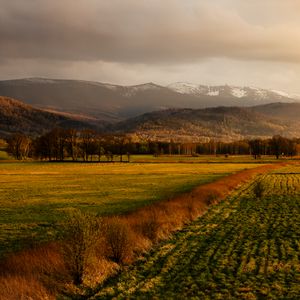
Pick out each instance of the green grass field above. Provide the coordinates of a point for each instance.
(35, 196)
(243, 248)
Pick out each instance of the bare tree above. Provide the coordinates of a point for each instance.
(19, 145)
(121, 143)
(72, 143)
(278, 145)
(255, 147)
(87, 138)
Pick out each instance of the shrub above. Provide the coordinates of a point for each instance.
(191, 208)
(258, 189)
(118, 236)
(149, 224)
(81, 232)
(211, 198)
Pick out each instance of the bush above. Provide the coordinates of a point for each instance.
(118, 236)
(149, 224)
(258, 189)
(191, 208)
(81, 233)
(211, 198)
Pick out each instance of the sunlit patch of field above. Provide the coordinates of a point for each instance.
(208, 159)
(35, 196)
(4, 155)
(243, 248)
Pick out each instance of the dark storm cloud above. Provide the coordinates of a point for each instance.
(139, 31)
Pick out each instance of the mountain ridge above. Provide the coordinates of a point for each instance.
(114, 103)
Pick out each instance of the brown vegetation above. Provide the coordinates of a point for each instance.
(32, 274)
(16, 116)
(41, 272)
(118, 240)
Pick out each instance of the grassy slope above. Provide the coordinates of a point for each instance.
(35, 196)
(243, 248)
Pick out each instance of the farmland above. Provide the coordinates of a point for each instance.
(35, 196)
(243, 248)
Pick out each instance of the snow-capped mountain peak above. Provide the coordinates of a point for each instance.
(187, 88)
(234, 92)
(238, 92)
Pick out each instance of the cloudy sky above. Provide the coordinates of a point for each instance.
(237, 42)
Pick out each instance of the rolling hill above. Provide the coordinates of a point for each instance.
(281, 111)
(115, 103)
(16, 116)
(220, 123)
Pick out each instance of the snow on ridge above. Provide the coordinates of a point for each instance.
(187, 88)
(144, 87)
(106, 85)
(213, 93)
(238, 92)
(132, 90)
(281, 93)
(262, 94)
(182, 87)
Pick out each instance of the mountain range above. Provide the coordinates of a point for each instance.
(180, 111)
(114, 103)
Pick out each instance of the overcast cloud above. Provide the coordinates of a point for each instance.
(132, 41)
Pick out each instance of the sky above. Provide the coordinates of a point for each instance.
(215, 42)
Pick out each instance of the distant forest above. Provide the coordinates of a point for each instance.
(88, 145)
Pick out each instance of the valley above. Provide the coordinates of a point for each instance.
(149, 150)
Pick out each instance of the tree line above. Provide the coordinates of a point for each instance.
(88, 145)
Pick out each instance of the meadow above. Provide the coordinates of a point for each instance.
(208, 159)
(35, 196)
(245, 247)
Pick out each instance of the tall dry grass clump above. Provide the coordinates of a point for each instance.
(23, 288)
(95, 248)
(119, 240)
(148, 222)
(32, 274)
